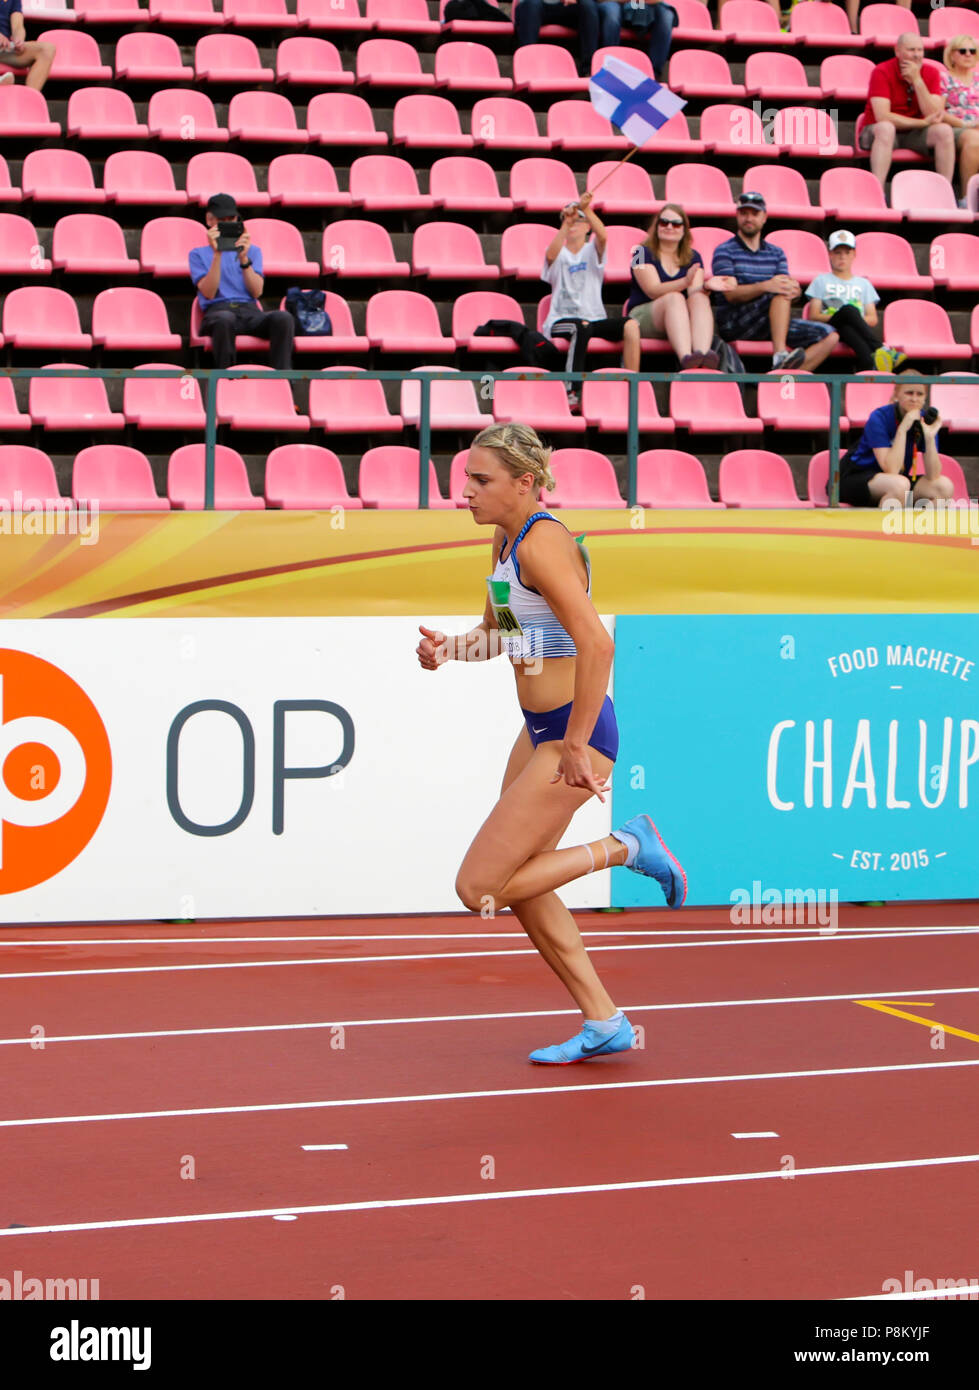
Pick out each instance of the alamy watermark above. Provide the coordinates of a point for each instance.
(49, 516)
(951, 516)
(24, 1288)
(778, 907)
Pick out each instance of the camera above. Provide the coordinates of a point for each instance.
(929, 414)
(228, 234)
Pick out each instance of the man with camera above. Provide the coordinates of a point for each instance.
(229, 280)
(897, 453)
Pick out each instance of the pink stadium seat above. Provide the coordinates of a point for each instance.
(854, 195)
(25, 114)
(709, 407)
(405, 321)
(20, 250)
(142, 57)
(389, 478)
(59, 176)
(583, 478)
(229, 58)
(823, 26)
(343, 339)
(882, 25)
(945, 21)
(576, 125)
(757, 478)
(628, 190)
(125, 319)
(506, 123)
(383, 181)
(542, 185)
(307, 477)
(43, 317)
(462, 183)
(924, 327)
(702, 190)
(229, 173)
(351, 406)
(8, 194)
(635, 57)
(785, 191)
(254, 404)
(958, 405)
(477, 307)
(953, 261)
(331, 16)
(706, 240)
(698, 72)
(543, 67)
(817, 483)
(806, 407)
(808, 132)
(862, 398)
(244, 342)
(450, 251)
(85, 243)
(695, 23)
(281, 243)
(728, 129)
(452, 403)
(423, 121)
(953, 469)
(519, 396)
(457, 475)
(778, 76)
(924, 196)
(310, 62)
(196, 14)
(174, 114)
(605, 404)
(622, 241)
(469, 67)
(266, 118)
(342, 118)
(845, 76)
(27, 472)
(888, 262)
(401, 17)
(117, 478)
(162, 403)
(232, 492)
(522, 248)
(259, 14)
(110, 12)
(305, 181)
(71, 403)
(10, 417)
(360, 249)
(166, 245)
(675, 138)
(672, 478)
(103, 113)
(142, 179)
(391, 63)
(746, 21)
(805, 251)
(470, 26)
(77, 59)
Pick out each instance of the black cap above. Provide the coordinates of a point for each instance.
(751, 200)
(222, 205)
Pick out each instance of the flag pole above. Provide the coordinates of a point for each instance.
(634, 150)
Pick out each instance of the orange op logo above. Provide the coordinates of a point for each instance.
(55, 770)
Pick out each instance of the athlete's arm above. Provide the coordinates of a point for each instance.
(482, 643)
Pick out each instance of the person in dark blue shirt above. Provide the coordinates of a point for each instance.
(16, 52)
(897, 454)
(229, 285)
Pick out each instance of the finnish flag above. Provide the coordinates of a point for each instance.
(635, 103)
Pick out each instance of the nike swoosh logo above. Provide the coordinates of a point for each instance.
(587, 1051)
(540, 731)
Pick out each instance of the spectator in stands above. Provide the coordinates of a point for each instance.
(760, 306)
(229, 283)
(776, 5)
(599, 24)
(905, 107)
(853, 8)
(574, 267)
(960, 88)
(849, 302)
(654, 22)
(897, 454)
(669, 292)
(17, 52)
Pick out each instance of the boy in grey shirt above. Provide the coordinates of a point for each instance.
(849, 302)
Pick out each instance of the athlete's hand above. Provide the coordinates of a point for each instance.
(432, 649)
(576, 769)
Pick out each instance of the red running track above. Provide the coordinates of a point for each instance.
(169, 1049)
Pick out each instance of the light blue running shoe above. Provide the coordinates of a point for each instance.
(585, 1046)
(655, 860)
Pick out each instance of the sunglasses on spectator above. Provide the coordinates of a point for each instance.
(669, 222)
(964, 51)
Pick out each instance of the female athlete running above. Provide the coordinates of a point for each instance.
(540, 613)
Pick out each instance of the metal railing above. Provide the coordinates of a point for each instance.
(211, 376)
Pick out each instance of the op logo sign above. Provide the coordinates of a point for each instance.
(55, 770)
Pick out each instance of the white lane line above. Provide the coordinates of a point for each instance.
(461, 1197)
(477, 1018)
(428, 1097)
(757, 1134)
(446, 955)
(969, 1291)
(316, 1148)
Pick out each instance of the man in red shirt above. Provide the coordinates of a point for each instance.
(905, 107)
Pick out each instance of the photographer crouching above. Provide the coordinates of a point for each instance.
(897, 454)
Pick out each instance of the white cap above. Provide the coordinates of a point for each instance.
(842, 239)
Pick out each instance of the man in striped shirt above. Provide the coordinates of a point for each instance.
(761, 305)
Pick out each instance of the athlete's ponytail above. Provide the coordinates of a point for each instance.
(521, 450)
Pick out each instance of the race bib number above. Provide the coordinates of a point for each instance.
(499, 597)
